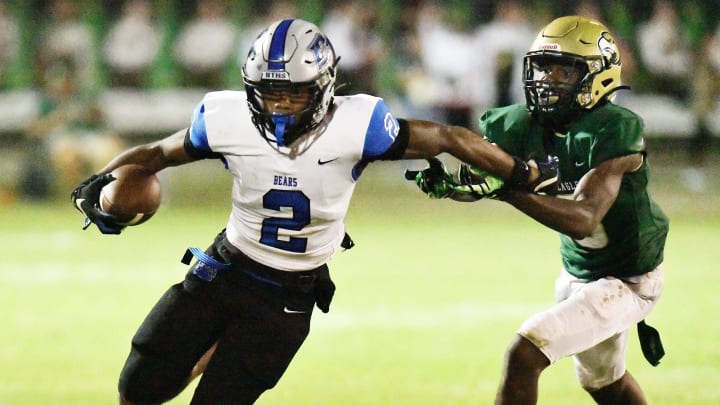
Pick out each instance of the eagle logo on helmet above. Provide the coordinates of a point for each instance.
(608, 49)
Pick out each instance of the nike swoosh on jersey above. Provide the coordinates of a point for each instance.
(579, 164)
(324, 162)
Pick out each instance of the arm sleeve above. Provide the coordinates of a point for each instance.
(397, 149)
(196, 139)
(382, 140)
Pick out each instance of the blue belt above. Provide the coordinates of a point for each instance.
(208, 267)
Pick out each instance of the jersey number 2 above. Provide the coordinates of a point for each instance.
(300, 205)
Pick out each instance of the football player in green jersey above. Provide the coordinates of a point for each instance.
(612, 234)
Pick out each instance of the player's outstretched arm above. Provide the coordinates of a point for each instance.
(427, 139)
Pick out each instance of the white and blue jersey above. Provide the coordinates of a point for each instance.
(289, 204)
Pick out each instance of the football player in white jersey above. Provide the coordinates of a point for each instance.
(296, 151)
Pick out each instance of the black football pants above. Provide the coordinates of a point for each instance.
(259, 326)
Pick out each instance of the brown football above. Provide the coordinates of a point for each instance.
(134, 197)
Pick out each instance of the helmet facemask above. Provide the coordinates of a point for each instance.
(555, 86)
(283, 127)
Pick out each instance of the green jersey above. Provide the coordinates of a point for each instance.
(631, 238)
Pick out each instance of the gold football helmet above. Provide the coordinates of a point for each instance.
(572, 65)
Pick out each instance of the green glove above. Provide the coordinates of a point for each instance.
(476, 184)
(473, 183)
(435, 181)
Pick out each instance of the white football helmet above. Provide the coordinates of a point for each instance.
(290, 57)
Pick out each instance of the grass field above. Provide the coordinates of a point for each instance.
(426, 302)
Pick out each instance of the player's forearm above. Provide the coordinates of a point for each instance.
(153, 156)
(572, 218)
(475, 150)
(428, 139)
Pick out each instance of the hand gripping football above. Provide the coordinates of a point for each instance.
(134, 197)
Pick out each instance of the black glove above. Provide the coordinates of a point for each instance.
(549, 173)
(86, 198)
(547, 178)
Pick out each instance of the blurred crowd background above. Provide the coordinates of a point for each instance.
(81, 80)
